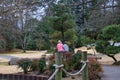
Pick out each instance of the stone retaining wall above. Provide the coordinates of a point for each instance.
(22, 77)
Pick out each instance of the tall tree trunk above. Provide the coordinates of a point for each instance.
(62, 32)
(24, 48)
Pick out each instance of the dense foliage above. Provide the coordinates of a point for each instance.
(38, 24)
(24, 64)
(73, 63)
(108, 41)
(35, 65)
(94, 70)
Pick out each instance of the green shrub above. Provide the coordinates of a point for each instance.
(71, 63)
(51, 67)
(86, 40)
(2, 44)
(41, 65)
(45, 46)
(75, 61)
(34, 65)
(78, 42)
(50, 51)
(24, 64)
(94, 69)
(77, 57)
(32, 45)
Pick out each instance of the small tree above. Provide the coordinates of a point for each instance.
(107, 39)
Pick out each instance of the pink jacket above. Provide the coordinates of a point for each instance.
(60, 47)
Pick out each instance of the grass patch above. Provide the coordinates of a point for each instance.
(14, 51)
(50, 51)
(4, 63)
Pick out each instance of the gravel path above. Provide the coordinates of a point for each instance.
(111, 73)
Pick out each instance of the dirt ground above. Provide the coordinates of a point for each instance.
(6, 69)
(38, 54)
(13, 68)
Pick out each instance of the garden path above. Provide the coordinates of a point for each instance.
(111, 72)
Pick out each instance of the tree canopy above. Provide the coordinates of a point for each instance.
(32, 24)
(61, 18)
(107, 40)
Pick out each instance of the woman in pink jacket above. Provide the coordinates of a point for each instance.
(60, 46)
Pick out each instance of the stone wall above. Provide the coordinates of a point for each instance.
(22, 77)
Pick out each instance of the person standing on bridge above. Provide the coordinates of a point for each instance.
(60, 46)
(65, 47)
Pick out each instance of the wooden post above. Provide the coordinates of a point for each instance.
(85, 70)
(58, 61)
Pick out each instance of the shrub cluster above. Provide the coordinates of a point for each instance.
(72, 63)
(32, 65)
(94, 69)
